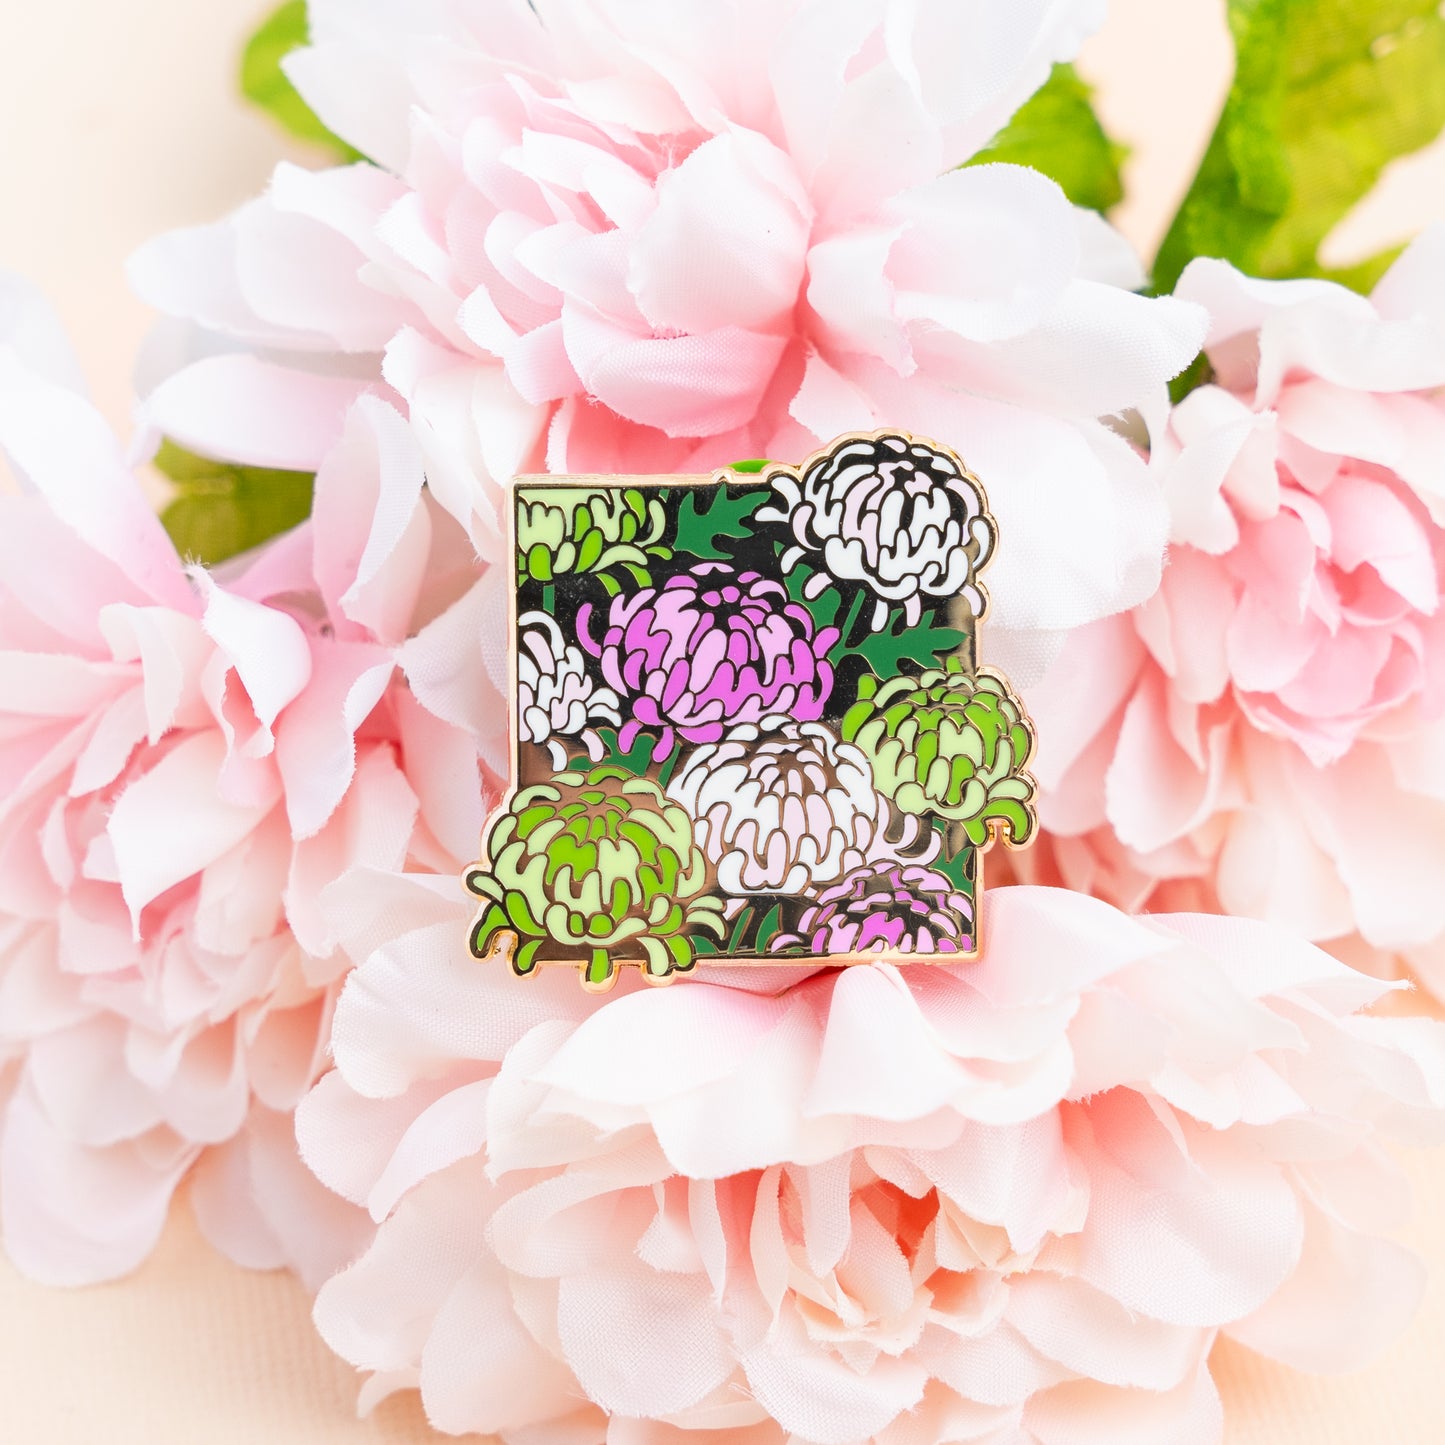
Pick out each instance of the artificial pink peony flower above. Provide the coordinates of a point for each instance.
(1267, 733)
(187, 760)
(661, 237)
(1009, 1201)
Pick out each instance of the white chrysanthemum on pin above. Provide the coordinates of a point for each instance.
(893, 514)
(788, 807)
(556, 696)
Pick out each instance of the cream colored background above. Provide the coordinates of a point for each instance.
(119, 120)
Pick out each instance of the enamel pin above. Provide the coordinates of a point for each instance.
(748, 723)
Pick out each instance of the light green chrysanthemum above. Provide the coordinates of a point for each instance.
(589, 865)
(563, 530)
(950, 745)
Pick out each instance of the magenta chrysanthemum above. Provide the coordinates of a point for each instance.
(710, 648)
(896, 909)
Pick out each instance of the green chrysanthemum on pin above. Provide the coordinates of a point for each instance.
(951, 745)
(576, 529)
(589, 867)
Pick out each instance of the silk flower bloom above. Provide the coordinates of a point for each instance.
(658, 238)
(1267, 734)
(187, 759)
(1009, 1201)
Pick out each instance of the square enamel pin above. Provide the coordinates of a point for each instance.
(748, 721)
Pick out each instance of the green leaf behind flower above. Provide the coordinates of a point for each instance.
(221, 510)
(709, 514)
(925, 646)
(1325, 94)
(265, 83)
(1057, 132)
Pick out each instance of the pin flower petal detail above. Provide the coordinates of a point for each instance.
(786, 807)
(710, 648)
(576, 531)
(897, 516)
(896, 909)
(593, 867)
(949, 744)
(556, 695)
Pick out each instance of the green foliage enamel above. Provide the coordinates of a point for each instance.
(221, 510)
(925, 646)
(948, 745)
(265, 83)
(588, 866)
(706, 514)
(1325, 94)
(565, 531)
(1057, 132)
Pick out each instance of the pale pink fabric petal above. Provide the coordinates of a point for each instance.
(302, 273)
(482, 1370)
(619, 1054)
(371, 828)
(347, 1141)
(240, 409)
(1087, 1413)
(73, 1215)
(1111, 521)
(677, 1353)
(754, 1116)
(878, 1056)
(267, 647)
(426, 1000)
(1013, 59)
(440, 762)
(1049, 360)
(64, 449)
(79, 1081)
(372, 534)
(1095, 1336)
(1013, 245)
(316, 733)
(446, 666)
(725, 246)
(1302, 1325)
(171, 822)
(682, 385)
(378, 1311)
(850, 291)
(1219, 1239)
(255, 1201)
(819, 1397)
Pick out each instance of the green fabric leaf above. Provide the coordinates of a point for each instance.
(265, 83)
(1325, 93)
(1056, 131)
(221, 510)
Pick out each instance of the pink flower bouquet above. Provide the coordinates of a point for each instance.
(252, 744)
